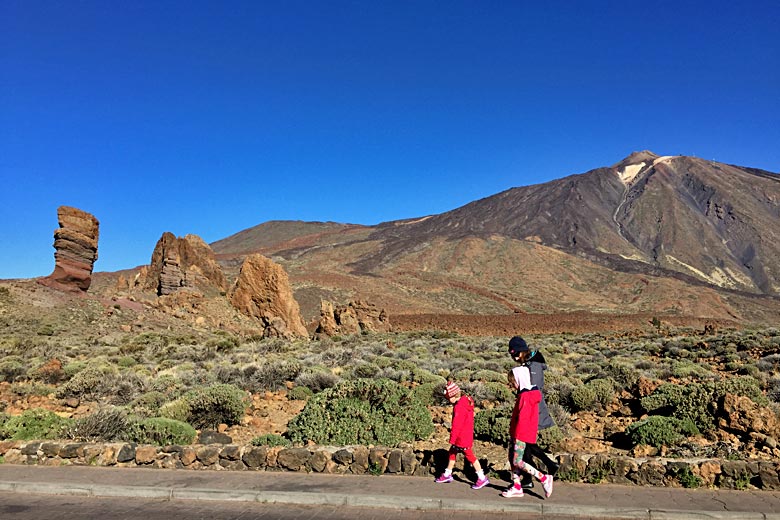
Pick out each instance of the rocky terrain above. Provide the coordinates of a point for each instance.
(655, 270)
(667, 236)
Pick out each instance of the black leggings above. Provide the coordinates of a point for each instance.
(533, 450)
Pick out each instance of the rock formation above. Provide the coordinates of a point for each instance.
(179, 263)
(741, 415)
(262, 290)
(352, 318)
(76, 250)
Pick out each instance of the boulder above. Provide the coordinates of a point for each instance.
(75, 250)
(213, 437)
(353, 318)
(293, 458)
(741, 415)
(182, 263)
(262, 290)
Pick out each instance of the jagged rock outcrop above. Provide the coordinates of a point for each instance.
(76, 250)
(179, 263)
(352, 318)
(262, 290)
(742, 416)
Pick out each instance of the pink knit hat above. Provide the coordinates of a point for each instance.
(452, 389)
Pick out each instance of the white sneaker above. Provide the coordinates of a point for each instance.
(512, 492)
(547, 485)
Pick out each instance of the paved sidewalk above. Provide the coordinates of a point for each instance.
(387, 491)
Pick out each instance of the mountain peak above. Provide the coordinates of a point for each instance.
(644, 156)
(629, 167)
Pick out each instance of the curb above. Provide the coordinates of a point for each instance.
(384, 501)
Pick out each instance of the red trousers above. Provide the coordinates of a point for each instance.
(467, 452)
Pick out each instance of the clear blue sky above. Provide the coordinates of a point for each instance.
(212, 117)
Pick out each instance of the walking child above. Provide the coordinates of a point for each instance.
(522, 354)
(523, 429)
(462, 435)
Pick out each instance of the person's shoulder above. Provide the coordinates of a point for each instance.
(465, 400)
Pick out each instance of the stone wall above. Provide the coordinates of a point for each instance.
(728, 474)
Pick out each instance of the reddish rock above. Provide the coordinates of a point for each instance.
(145, 454)
(646, 387)
(51, 372)
(76, 250)
(352, 318)
(708, 471)
(262, 290)
(179, 263)
(741, 415)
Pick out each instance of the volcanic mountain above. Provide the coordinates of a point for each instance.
(670, 235)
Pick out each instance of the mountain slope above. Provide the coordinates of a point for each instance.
(648, 234)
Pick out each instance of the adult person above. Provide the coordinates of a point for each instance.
(522, 354)
(523, 429)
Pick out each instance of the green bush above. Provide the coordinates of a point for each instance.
(162, 432)
(272, 376)
(549, 438)
(660, 431)
(746, 386)
(422, 376)
(214, 405)
(362, 411)
(687, 479)
(148, 404)
(689, 369)
(500, 392)
(12, 368)
(270, 439)
(694, 402)
(106, 425)
(225, 343)
(89, 383)
(34, 424)
(299, 393)
(365, 370)
(317, 381)
(698, 401)
(27, 389)
(583, 397)
(126, 361)
(489, 376)
(168, 384)
(623, 374)
(427, 393)
(178, 410)
(604, 389)
(493, 425)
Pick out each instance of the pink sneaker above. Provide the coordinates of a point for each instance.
(443, 479)
(480, 483)
(513, 492)
(547, 485)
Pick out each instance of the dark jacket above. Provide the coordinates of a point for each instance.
(536, 366)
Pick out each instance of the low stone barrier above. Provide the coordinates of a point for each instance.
(359, 460)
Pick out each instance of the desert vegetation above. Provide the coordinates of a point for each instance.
(677, 392)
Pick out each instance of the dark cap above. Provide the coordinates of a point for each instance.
(517, 345)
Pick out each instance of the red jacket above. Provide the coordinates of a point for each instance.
(462, 433)
(525, 417)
